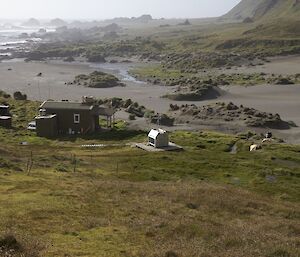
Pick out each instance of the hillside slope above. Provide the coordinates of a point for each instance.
(264, 9)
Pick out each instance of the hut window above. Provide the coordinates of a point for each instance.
(77, 118)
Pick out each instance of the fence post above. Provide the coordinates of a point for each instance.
(30, 163)
(74, 161)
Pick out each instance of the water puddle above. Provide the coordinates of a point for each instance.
(121, 70)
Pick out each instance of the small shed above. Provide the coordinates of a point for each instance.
(46, 126)
(5, 121)
(158, 138)
(4, 110)
(5, 117)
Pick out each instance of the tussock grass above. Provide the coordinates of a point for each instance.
(121, 201)
(86, 214)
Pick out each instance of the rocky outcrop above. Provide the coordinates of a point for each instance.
(20, 96)
(31, 23)
(144, 18)
(185, 23)
(230, 113)
(96, 58)
(136, 110)
(195, 93)
(57, 22)
(163, 120)
(194, 89)
(69, 59)
(97, 79)
(284, 81)
(112, 28)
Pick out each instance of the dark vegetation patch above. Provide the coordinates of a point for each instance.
(95, 52)
(231, 113)
(264, 47)
(10, 164)
(97, 79)
(11, 246)
(173, 77)
(20, 96)
(192, 62)
(255, 79)
(194, 93)
(4, 94)
(136, 110)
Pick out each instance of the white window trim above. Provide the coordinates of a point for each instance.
(76, 118)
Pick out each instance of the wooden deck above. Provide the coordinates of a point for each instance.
(148, 148)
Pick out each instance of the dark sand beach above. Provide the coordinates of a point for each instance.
(17, 75)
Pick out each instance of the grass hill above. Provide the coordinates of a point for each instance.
(118, 201)
(264, 9)
(268, 26)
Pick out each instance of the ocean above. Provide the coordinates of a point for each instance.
(11, 38)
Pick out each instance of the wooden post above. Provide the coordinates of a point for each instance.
(75, 162)
(29, 163)
(133, 167)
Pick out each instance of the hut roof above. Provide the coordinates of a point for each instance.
(100, 110)
(5, 117)
(155, 132)
(45, 117)
(66, 105)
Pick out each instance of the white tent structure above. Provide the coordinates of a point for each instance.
(158, 138)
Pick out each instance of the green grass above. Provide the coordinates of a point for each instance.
(156, 72)
(92, 213)
(206, 157)
(122, 201)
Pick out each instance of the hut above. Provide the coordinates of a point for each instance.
(158, 138)
(5, 121)
(4, 110)
(71, 118)
(5, 117)
(46, 126)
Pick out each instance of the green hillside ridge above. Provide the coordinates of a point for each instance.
(272, 29)
(264, 9)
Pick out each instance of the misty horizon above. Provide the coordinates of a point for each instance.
(100, 10)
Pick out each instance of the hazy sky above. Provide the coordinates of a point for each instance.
(102, 9)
